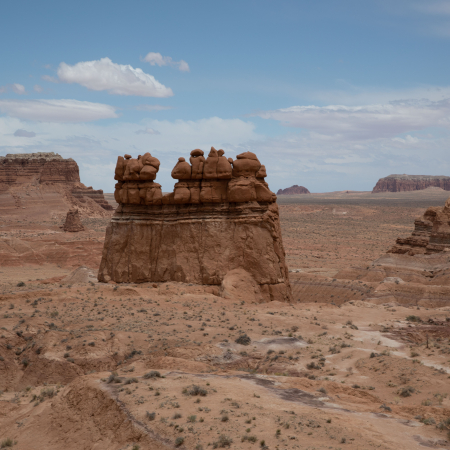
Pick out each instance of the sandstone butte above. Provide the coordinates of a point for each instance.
(219, 227)
(293, 190)
(399, 183)
(40, 182)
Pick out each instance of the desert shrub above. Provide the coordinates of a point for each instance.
(177, 416)
(413, 318)
(243, 339)
(131, 380)
(322, 390)
(7, 443)
(179, 441)
(192, 418)
(249, 439)
(113, 378)
(312, 365)
(150, 416)
(406, 391)
(20, 284)
(334, 350)
(374, 355)
(195, 390)
(224, 418)
(222, 442)
(152, 374)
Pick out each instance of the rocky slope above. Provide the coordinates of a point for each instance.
(293, 190)
(399, 183)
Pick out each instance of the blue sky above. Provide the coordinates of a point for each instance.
(331, 95)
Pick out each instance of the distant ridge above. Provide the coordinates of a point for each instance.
(293, 190)
(401, 183)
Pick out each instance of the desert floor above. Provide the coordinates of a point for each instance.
(85, 365)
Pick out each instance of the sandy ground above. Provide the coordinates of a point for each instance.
(85, 365)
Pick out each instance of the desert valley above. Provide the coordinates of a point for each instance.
(357, 355)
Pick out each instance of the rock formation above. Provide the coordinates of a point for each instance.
(399, 183)
(220, 217)
(416, 270)
(73, 221)
(431, 233)
(293, 190)
(44, 175)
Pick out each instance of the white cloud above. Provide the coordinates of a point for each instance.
(15, 87)
(152, 107)
(38, 88)
(24, 133)
(57, 110)
(147, 130)
(18, 88)
(365, 122)
(104, 75)
(158, 59)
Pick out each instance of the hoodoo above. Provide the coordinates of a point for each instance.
(220, 217)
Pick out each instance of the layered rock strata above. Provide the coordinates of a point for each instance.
(46, 169)
(221, 217)
(293, 190)
(400, 183)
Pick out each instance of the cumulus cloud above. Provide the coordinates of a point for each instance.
(57, 110)
(119, 79)
(365, 122)
(152, 107)
(37, 88)
(24, 133)
(158, 59)
(15, 87)
(147, 131)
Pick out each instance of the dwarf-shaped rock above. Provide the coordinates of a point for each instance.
(197, 161)
(246, 165)
(224, 169)
(150, 167)
(182, 170)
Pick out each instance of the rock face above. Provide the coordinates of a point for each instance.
(293, 190)
(47, 172)
(399, 183)
(431, 233)
(73, 221)
(220, 217)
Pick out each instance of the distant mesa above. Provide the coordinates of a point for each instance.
(293, 190)
(401, 183)
(46, 181)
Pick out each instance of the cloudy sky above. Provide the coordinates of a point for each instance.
(331, 95)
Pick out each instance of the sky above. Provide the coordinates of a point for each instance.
(331, 95)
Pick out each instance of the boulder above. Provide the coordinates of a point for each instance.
(73, 221)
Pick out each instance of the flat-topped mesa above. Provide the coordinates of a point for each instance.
(47, 169)
(220, 227)
(293, 190)
(37, 168)
(401, 183)
(431, 233)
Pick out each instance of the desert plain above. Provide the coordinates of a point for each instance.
(89, 365)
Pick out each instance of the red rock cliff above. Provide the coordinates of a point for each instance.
(399, 183)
